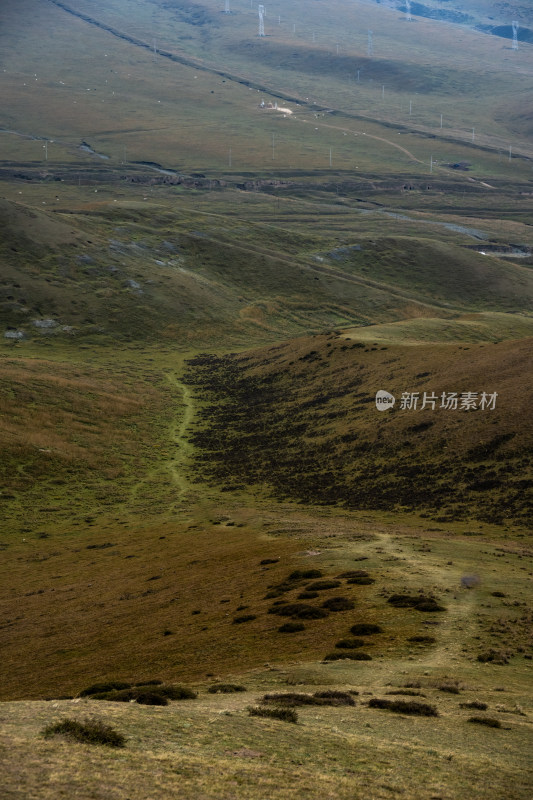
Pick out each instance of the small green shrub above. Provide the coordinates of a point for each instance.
(365, 629)
(90, 731)
(350, 644)
(404, 707)
(226, 688)
(338, 604)
(320, 586)
(291, 627)
(475, 704)
(352, 655)
(243, 618)
(498, 594)
(361, 581)
(422, 639)
(307, 595)
(407, 692)
(98, 688)
(492, 723)
(299, 610)
(285, 714)
(269, 561)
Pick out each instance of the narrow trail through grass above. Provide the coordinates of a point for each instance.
(177, 464)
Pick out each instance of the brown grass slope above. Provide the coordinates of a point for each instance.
(301, 418)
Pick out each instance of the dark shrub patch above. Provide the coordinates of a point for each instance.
(285, 714)
(451, 688)
(165, 692)
(499, 594)
(299, 610)
(361, 581)
(365, 629)
(98, 688)
(244, 618)
(320, 586)
(354, 573)
(494, 656)
(338, 604)
(292, 627)
(154, 682)
(353, 656)
(152, 699)
(302, 574)
(307, 595)
(292, 699)
(404, 707)
(407, 692)
(226, 688)
(420, 602)
(350, 643)
(492, 723)
(475, 704)
(331, 697)
(91, 731)
(422, 639)
(269, 561)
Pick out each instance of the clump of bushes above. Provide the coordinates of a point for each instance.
(320, 586)
(353, 656)
(326, 697)
(303, 574)
(291, 627)
(350, 644)
(361, 581)
(98, 688)
(243, 618)
(285, 714)
(291, 699)
(407, 692)
(494, 656)
(475, 704)
(226, 688)
(419, 602)
(333, 697)
(307, 595)
(90, 731)
(365, 629)
(451, 688)
(353, 573)
(404, 707)
(422, 639)
(299, 610)
(338, 604)
(492, 723)
(147, 694)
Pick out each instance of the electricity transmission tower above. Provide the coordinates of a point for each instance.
(261, 10)
(226, 7)
(515, 34)
(408, 16)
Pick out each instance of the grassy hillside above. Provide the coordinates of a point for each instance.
(300, 418)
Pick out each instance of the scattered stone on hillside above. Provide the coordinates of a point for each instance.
(16, 335)
(44, 323)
